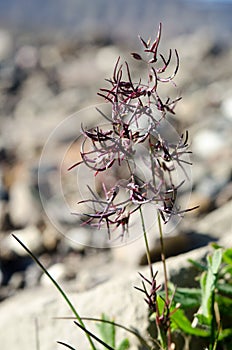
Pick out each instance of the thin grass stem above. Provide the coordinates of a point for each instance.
(64, 295)
(146, 242)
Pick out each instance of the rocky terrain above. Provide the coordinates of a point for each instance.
(43, 86)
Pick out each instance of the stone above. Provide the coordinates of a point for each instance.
(6, 44)
(49, 56)
(27, 57)
(226, 107)
(31, 238)
(106, 58)
(23, 208)
(78, 238)
(57, 271)
(206, 143)
(217, 224)
(224, 195)
(116, 298)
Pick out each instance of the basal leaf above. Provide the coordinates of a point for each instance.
(181, 321)
(225, 289)
(227, 256)
(124, 345)
(187, 297)
(216, 261)
(107, 331)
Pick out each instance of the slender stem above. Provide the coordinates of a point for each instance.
(146, 243)
(64, 295)
(163, 259)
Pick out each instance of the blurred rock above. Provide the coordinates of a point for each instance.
(202, 200)
(6, 44)
(106, 58)
(22, 207)
(57, 271)
(78, 238)
(30, 236)
(49, 56)
(116, 298)
(226, 107)
(207, 142)
(224, 196)
(27, 57)
(16, 281)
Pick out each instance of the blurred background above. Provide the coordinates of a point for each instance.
(54, 57)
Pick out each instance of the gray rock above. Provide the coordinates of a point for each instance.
(226, 108)
(22, 207)
(207, 142)
(117, 298)
(30, 236)
(57, 271)
(218, 223)
(6, 45)
(78, 238)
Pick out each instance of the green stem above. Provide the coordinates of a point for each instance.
(163, 259)
(146, 242)
(64, 295)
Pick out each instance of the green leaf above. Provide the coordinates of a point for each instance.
(187, 297)
(181, 322)
(201, 267)
(160, 304)
(107, 331)
(225, 333)
(227, 256)
(203, 320)
(124, 345)
(216, 261)
(208, 282)
(225, 289)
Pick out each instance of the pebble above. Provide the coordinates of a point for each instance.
(27, 57)
(226, 107)
(31, 238)
(22, 207)
(206, 143)
(78, 238)
(6, 44)
(57, 271)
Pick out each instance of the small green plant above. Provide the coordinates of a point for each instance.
(212, 302)
(107, 331)
(136, 117)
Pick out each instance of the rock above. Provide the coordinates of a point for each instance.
(116, 298)
(49, 56)
(217, 224)
(224, 195)
(106, 58)
(1, 276)
(207, 142)
(6, 44)
(202, 200)
(226, 108)
(27, 57)
(78, 238)
(31, 238)
(57, 271)
(22, 207)
(16, 281)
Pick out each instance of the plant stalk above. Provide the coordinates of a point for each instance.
(64, 295)
(163, 259)
(146, 243)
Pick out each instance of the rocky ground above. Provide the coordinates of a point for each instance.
(42, 84)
